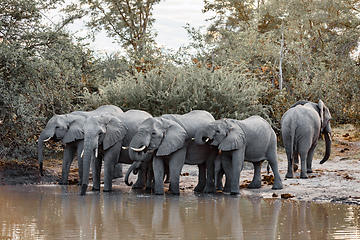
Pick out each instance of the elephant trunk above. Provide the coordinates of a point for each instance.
(133, 168)
(88, 155)
(201, 136)
(137, 147)
(327, 136)
(42, 139)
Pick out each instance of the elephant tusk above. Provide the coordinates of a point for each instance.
(138, 149)
(192, 139)
(47, 139)
(207, 140)
(82, 153)
(96, 152)
(125, 148)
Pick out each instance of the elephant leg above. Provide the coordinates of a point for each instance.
(226, 163)
(80, 148)
(111, 158)
(210, 183)
(150, 178)
(256, 182)
(303, 157)
(175, 166)
(201, 178)
(69, 154)
(218, 173)
(158, 168)
(237, 166)
(141, 179)
(272, 159)
(290, 170)
(118, 171)
(96, 170)
(309, 159)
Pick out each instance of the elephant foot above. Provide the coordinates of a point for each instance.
(234, 193)
(83, 189)
(199, 188)
(95, 189)
(63, 183)
(303, 175)
(289, 175)
(209, 190)
(309, 170)
(277, 186)
(254, 184)
(106, 190)
(138, 186)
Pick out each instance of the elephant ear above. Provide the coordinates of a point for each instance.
(234, 139)
(174, 139)
(75, 129)
(324, 113)
(115, 132)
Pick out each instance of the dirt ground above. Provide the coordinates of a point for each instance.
(337, 180)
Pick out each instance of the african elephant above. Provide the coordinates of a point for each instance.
(168, 140)
(251, 140)
(104, 139)
(301, 127)
(68, 128)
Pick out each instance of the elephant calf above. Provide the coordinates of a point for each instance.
(251, 140)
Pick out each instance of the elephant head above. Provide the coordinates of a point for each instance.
(325, 118)
(157, 136)
(103, 130)
(224, 133)
(67, 127)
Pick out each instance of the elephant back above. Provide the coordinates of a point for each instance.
(133, 119)
(191, 121)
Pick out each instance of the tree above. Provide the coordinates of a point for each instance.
(128, 21)
(42, 73)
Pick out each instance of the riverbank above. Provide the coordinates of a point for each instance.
(337, 180)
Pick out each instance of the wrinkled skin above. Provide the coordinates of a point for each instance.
(104, 139)
(68, 128)
(251, 140)
(167, 141)
(301, 128)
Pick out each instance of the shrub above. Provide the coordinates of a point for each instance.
(225, 92)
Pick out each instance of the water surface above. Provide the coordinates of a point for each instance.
(58, 212)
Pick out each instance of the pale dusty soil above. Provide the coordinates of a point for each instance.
(337, 180)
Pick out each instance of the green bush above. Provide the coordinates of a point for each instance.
(225, 92)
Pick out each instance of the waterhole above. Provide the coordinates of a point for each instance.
(58, 212)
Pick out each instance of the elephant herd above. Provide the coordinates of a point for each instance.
(159, 146)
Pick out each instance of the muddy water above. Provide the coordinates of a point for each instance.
(55, 212)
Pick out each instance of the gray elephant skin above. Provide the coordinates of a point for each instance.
(301, 128)
(104, 139)
(68, 128)
(167, 142)
(251, 140)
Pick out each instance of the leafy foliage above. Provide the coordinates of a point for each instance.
(225, 92)
(42, 72)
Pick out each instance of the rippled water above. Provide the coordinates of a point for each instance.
(55, 212)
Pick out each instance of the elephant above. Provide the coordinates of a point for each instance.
(106, 139)
(301, 128)
(251, 140)
(68, 128)
(167, 141)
